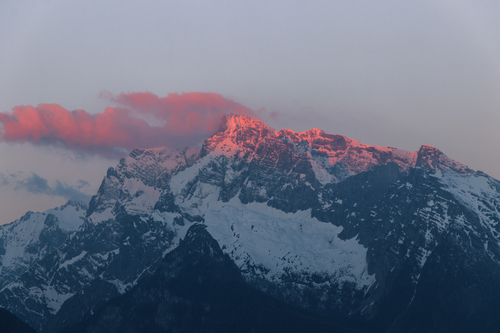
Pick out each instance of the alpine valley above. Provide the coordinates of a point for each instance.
(264, 231)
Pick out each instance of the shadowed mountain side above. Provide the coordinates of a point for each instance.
(199, 289)
(9, 323)
(463, 298)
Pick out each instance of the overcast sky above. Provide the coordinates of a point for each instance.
(388, 73)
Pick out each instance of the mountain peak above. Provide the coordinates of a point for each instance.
(246, 136)
(237, 133)
(232, 122)
(429, 157)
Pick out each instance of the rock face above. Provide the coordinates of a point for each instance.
(35, 235)
(432, 158)
(373, 238)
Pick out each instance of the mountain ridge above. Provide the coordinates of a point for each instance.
(350, 240)
(242, 130)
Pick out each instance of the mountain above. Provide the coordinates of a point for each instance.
(198, 288)
(121, 239)
(374, 238)
(34, 235)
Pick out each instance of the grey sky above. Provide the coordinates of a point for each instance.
(389, 73)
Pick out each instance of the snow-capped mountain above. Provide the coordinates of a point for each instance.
(34, 235)
(363, 234)
(121, 239)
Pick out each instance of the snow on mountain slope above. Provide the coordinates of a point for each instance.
(32, 236)
(481, 194)
(266, 239)
(121, 239)
(99, 262)
(270, 243)
(135, 184)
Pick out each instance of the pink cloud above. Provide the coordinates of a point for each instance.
(141, 120)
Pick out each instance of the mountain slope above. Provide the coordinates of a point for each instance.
(120, 241)
(34, 235)
(199, 289)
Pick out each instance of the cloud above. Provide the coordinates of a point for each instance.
(140, 120)
(34, 184)
(39, 185)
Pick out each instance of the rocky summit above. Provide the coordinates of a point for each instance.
(339, 235)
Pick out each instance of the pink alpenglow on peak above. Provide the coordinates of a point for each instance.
(356, 156)
(242, 136)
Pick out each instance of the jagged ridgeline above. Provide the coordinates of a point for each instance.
(331, 233)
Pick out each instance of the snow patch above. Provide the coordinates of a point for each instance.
(72, 260)
(258, 236)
